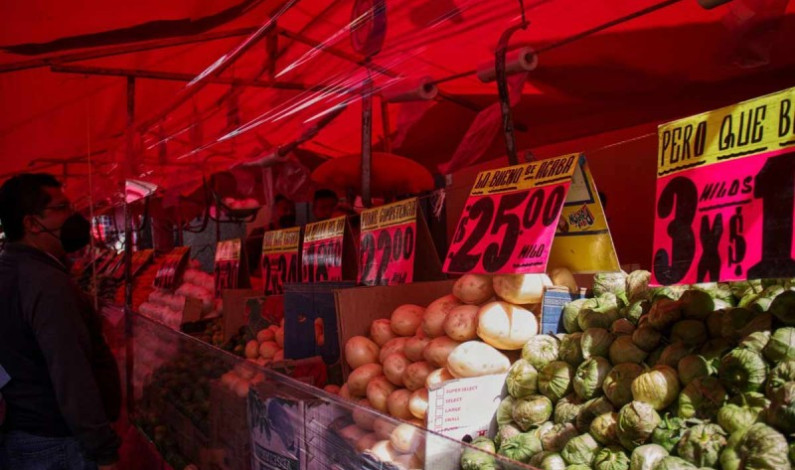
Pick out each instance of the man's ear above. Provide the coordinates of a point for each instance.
(31, 225)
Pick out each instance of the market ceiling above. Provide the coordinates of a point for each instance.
(64, 85)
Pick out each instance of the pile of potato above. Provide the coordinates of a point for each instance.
(268, 347)
(477, 330)
(241, 378)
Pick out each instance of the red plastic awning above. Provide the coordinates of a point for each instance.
(675, 60)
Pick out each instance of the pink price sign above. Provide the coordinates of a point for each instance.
(279, 269)
(387, 244)
(726, 221)
(726, 194)
(321, 257)
(387, 256)
(280, 259)
(322, 260)
(509, 232)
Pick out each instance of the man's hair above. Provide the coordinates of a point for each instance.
(23, 195)
(325, 194)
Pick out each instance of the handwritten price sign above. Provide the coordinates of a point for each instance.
(726, 194)
(321, 257)
(510, 218)
(227, 265)
(280, 259)
(169, 275)
(388, 240)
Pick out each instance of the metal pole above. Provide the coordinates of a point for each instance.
(128, 248)
(367, 137)
(385, 125)
(128, 251)
(188, 77)
(97, 53)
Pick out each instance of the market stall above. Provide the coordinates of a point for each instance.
(522, 270)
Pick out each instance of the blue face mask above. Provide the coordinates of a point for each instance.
(75, 233)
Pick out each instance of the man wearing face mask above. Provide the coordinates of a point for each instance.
(64, 386)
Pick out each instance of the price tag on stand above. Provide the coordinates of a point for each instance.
(510, 218)
(230, 266)
(326, 252)
(169, 275)
(582, 241)
(281, 250)
(396, 247)
(140, 259)
(387, 242)
(726, 194)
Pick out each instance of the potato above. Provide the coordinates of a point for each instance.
(406, 438)
(402, 461)
(279, 356)
(521, 288)
(438, 349)
(230, 379)
(438, 377)
(361, 376)
(257, 379)
(335, 389)
(241, 388)
(345, 393)
(268, 349)
(506, 326)
(396, 345)
(416, 375)
(383, 427)
(473, 289)
(383, 451)
(279, 337)
(461, 323)
(378, 391)
(352, 433)
(366, 442)
(395, 366)
(362, 415)
(414, 347)
(474, 359)
(265, 335)
(252, 349)
(433, 319)
(406, 319)
(360, 351)
(398, 404)
(418, 403)
(563, 277)
(381, 331)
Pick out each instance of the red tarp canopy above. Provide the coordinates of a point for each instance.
(675, 60)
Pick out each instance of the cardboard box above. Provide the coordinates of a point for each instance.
(357, 308)
(235, 314)
(555, 298)
(461, 409)
(310, 321)
(289, 428)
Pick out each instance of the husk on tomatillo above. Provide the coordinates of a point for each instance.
(636, 422)
(589, 377)
(555, 380)
(540, 350)
(617, 386)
